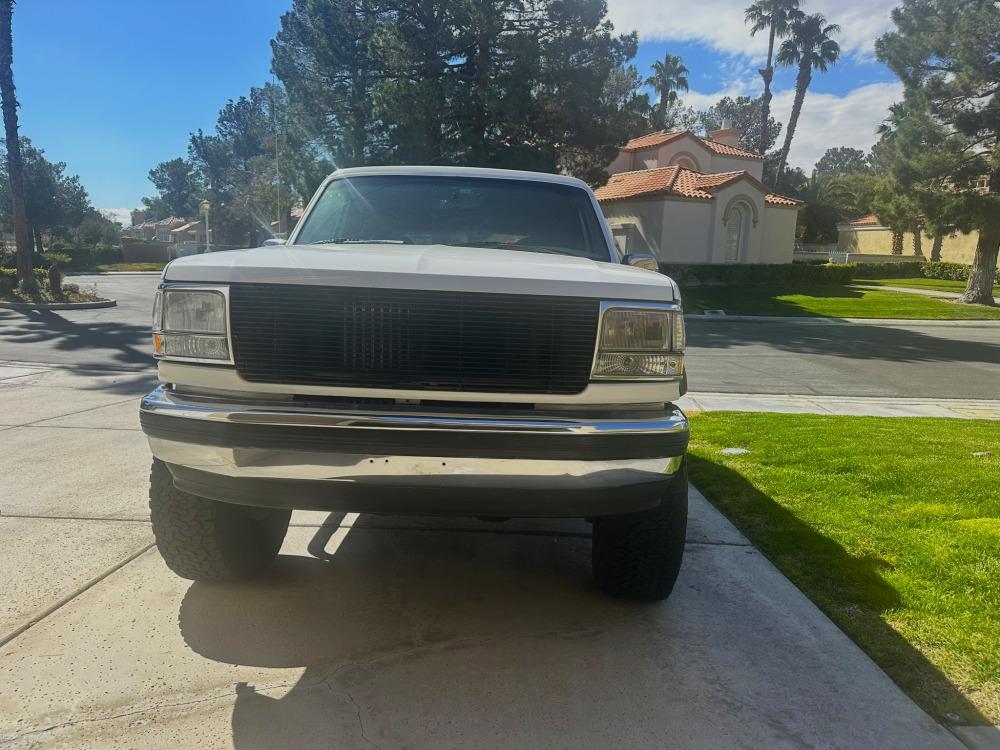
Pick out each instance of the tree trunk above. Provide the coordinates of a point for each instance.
(37, 233)
(15, 167)
(765, 100)
(897, 243)
(936, 247)
(918, 246)
(801, 84)
(979, 290)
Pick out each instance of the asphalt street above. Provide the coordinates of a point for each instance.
(901, 360)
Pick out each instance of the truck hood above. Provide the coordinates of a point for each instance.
(437, 267)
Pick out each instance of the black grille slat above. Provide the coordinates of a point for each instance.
(412, 339)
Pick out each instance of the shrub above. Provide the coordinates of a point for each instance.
(888, 270)
(779, 273)
(41, 276)
(937, 269)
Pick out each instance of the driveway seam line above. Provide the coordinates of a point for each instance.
(51, 609)
(34, 516)
(74, 413)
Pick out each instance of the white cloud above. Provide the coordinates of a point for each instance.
(122, 215)
(720, 24)
(826, 120)
(829, 120)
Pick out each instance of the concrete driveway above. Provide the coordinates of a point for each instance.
(385, 632)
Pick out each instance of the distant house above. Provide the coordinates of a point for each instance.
(191, 233)
(687, 199)
(867, 236)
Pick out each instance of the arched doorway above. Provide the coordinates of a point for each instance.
(737, 232)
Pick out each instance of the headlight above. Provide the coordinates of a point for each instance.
(190, 324)
(639, 342)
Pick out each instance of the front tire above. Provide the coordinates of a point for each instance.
(207, 540)
(638, 555)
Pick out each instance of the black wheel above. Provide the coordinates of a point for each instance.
(638, 555)
(206, 540)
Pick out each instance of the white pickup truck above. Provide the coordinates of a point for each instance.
(431, 341)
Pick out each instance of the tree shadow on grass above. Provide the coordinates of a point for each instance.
(850, 590)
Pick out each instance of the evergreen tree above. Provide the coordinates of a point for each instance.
(948, 130)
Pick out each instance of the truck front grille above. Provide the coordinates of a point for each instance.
(412, 339)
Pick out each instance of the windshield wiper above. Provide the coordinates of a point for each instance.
(346, 241)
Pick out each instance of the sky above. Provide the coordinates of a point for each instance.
(113, 87)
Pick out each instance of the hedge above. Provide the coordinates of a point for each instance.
(777, 273)
(937, 269)
(905, 269)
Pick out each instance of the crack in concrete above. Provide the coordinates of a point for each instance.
(122, 715)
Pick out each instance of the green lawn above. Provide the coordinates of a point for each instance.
(937, 285)
(890, 525)
(826, 301)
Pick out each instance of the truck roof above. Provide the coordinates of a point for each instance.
(496, 174)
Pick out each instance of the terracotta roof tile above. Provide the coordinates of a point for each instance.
(680, 182)
(724, 150)
(642, 182)
(781, 200)
(871, 220)
(652, 140)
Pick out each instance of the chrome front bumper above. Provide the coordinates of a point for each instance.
(286, 456)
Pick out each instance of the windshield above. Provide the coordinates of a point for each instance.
(461, 211)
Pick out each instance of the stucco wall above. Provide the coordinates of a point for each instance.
(778, 242)
(672, 230)
(687, 231)
(957, 248)
(729, 164)
(622, 163)
(646, 216)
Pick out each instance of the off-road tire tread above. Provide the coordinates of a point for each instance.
(638, 555)
(207, 540)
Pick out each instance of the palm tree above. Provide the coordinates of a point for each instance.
(775, 16)
(15, 167)
(669, 77)
(811, 47)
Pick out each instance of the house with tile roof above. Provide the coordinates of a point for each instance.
(688, 199)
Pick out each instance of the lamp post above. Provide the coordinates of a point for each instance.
(205, 206)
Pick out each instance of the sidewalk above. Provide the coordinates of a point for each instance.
(911, 290)
(842, 405)
(821, 321)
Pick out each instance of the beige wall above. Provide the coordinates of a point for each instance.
(686, 239)
(646, 216)
(956, 248)
(778, 244)
(728, 164)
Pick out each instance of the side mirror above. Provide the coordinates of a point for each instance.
(272, 241)
(642, 260)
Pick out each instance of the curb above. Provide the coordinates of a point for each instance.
(980, 323)
(114, 273)
(58, 305)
